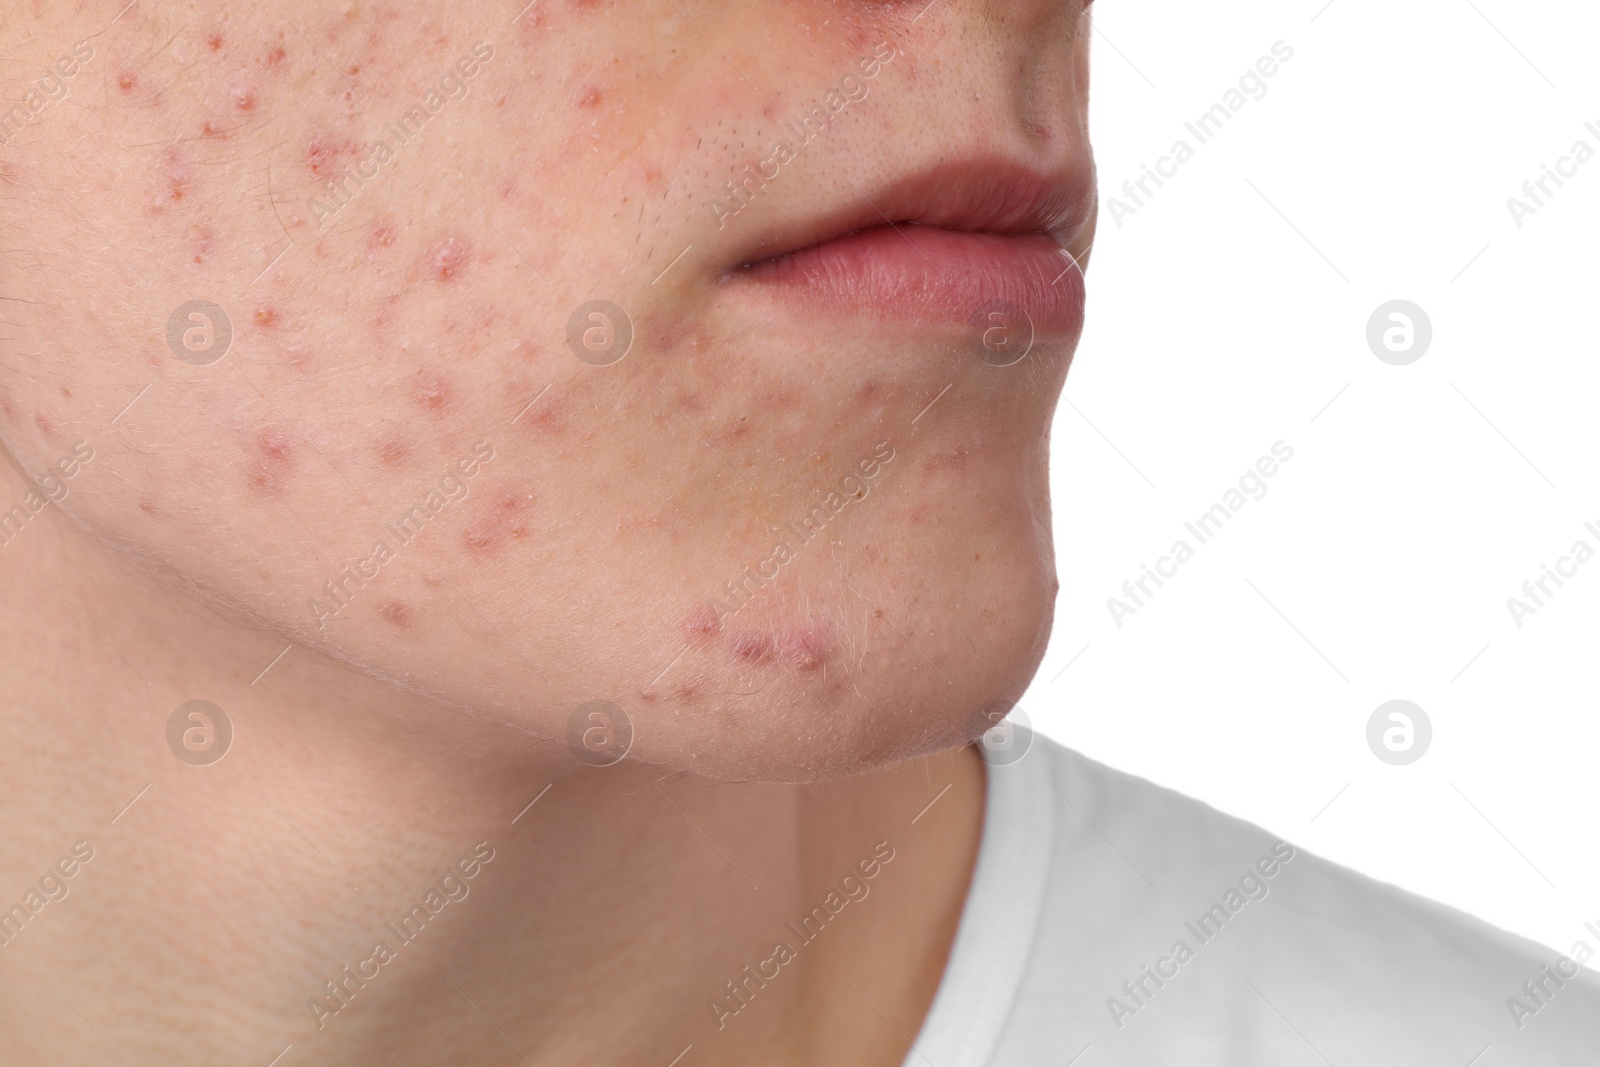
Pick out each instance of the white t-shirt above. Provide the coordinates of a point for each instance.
(1237, 950)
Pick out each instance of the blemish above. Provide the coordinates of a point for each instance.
(505, 522)
(396, 614)
(323, 152)
(8, 407)
(806, 649)
(393, 451)
(274, 57)
(127, 81)
(176, 180)
(266, 316)
(702, 624)
(448, 259)
(433, 391)
(244, 97)
(147, 506)
(214, 42)
(590, 97)
(752, 647)
(66, 392)
(45, 424)
(271, 461)
(382, 235)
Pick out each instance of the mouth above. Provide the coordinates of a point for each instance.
(953, 245)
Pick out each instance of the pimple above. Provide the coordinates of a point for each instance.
(505, 522)
(752, 647)
(432, 391)
(45, 424)
(591, 97)
(808, 648)
(396, 614)
(127, 81)
(8, 407)
(271, 462)
(266, 316)
(702, 625)
(176, 179)
(274, 57)
(215, 42)
(382, 235)
(447, 260)
(323, 152)
(393, 451)
(244, 97)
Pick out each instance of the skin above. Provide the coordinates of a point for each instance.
(382, 344)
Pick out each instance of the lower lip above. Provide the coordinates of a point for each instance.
(924, 273)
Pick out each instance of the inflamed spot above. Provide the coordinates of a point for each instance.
(447, 260)
(271, 461)
(396, 614)
(432, 392)
(506, 522)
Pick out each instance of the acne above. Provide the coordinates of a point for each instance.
(393, 451)
(751, 647)
(215, 41)
(432, 392)
(274, 56)
(45, 425)
(127, 82)
(590, 97)
(175, 179)
(396, 614)
(702, 625)
(244, 97)
(323, 152)
(383, 236)
(506, 521)
(448, 258)
(807, 648)
(266, 316)
(271, 462)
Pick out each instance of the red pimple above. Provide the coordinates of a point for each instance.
(44, 423)
(273, 57)
(244, 97)
(806, 649)
(322, 153)
(266, 316)
(127, 81)
(214, 42)
(7, 407)
(702, 624)
(272, 461)
(393, 451)
(396, 614)
(382, 235)
(504, 523)
(752, 647)
(590, 97)
(448, 259)
(432, 391)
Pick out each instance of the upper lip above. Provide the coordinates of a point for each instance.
(994, 196)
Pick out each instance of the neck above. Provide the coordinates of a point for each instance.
(370, 876)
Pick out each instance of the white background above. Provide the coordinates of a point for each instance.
(1230, 312)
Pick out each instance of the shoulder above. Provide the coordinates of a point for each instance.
(1170, 931)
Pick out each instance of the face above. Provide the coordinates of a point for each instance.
(694, 357)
